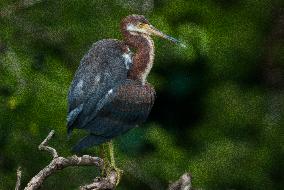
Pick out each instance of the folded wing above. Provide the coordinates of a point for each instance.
(121, 109)
(100, 70)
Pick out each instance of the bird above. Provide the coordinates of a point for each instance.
(109, 94)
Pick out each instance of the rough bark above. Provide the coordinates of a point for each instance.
(183, 183)
(106, 183)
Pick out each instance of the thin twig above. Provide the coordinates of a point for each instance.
(43, 145)
(19, 176)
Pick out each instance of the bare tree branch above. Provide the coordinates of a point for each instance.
(183, 183)
(59, 163)
(109, 182)
(19, 176)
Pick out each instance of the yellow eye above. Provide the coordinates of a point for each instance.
(141, 25)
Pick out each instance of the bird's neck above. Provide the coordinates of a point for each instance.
(143, 58)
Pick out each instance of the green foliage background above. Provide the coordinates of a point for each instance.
(220, 105)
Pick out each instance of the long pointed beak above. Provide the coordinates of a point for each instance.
(155, 31)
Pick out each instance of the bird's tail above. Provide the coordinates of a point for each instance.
(89, 141)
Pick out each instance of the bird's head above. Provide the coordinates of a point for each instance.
(139, 25)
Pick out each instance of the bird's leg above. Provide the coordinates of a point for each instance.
(111, 154)
(112, 162)
(103, 155)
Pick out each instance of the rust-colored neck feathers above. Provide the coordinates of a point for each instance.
(143, 58)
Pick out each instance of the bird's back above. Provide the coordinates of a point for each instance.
(100, 70)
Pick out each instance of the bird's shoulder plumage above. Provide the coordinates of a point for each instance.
(104, 66)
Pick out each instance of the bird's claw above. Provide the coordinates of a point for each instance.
(118, 172)
(108, 169)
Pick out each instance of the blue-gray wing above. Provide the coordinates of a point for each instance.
(100, 70)
(122, 108)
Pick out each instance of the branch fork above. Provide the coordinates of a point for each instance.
(59, 163)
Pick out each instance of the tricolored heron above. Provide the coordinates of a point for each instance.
(109, 94)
